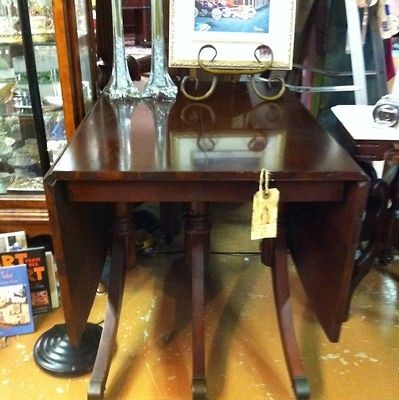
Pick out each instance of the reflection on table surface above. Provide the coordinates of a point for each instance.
(253, 137)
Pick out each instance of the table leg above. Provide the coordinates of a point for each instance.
(372, 230)
(274, 254)
(122, 246)
(197, 239)
(387, 254)
(169, 220)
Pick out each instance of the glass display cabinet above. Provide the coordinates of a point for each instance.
(36, 93)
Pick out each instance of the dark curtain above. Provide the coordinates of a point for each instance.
(321, 32)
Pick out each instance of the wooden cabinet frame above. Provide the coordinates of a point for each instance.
(67, 43)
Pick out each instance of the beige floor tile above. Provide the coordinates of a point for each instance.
(244, 357)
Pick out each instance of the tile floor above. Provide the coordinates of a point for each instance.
(244, 356)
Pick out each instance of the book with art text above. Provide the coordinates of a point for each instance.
(36, 263)
(16, 316)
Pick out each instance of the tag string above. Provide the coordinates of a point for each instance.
(264, 181)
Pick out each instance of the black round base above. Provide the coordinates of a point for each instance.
(54, 353)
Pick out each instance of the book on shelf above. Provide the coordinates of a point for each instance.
(38, 273)
(22, 184)
(13, 241)
(53, 279)
(16, 317)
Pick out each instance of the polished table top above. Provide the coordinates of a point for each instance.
(230, 137)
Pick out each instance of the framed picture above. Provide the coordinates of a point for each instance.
(235, 28)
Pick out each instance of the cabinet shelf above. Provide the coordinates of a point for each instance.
(27, 113)
(38, 38)
(24, 212)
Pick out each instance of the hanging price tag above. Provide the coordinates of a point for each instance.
(264, 209)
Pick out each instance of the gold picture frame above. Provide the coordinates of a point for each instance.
(235, 28)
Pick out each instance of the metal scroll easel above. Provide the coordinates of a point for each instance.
(234, 73)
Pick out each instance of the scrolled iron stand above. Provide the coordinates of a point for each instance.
(219, 69)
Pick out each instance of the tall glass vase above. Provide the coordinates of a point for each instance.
(160, 85)
(120, 85)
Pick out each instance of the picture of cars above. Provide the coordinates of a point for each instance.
(207, 8)
(216, 9)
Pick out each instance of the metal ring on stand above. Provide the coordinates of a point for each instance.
(265, 97)
(228, 70)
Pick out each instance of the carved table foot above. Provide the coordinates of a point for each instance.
(123, 231)
(96, 389)
(277, 259)
(386, 256)
(199, 389)
(197, 241)
(301, 387)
